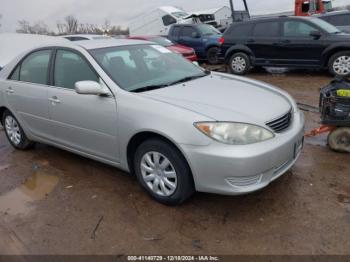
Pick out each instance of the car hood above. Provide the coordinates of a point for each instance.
(225, 98)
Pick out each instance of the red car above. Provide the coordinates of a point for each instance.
(187, 52)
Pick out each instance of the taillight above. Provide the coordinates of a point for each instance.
(221, 40)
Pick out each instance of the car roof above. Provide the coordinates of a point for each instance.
(85, 35)
(341, 12)
(274, 18)
(96, 44)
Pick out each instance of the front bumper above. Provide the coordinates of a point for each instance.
(235, 170)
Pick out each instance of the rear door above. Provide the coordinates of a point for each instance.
(87, 123)
(298, 47)
(264, 41)
(27, 93)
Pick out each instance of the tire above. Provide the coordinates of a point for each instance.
(15, 133)
(171, 189)
(240, 64)
(212, 55)
(339, 64)
(339, 140)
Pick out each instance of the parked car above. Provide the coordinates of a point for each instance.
(83, 37)
(298, 42)
(158, 21)
(187, 52)
(340, 19)
(204, 39)
(146, 110)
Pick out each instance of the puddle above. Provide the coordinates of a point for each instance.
(37, 187)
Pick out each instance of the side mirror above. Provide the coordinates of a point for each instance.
(89, 88)
(316, 34)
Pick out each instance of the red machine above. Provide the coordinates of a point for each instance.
(309, 7)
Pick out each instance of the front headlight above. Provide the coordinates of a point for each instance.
(234, 133)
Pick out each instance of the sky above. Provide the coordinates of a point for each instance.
(119, 12)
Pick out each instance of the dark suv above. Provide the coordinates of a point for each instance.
(298, 42)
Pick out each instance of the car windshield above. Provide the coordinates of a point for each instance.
(145, 67)
(161, 41)
(208, 30)
(180, 14)
(331, 29)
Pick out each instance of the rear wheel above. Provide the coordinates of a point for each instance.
(15, 133)
(212, 55)
(240, 64)
(339, 64)
(339, 140)
(163, 172)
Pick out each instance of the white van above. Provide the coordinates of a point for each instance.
(159, 21)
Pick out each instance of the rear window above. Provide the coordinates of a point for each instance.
(266, 29)
(239, 30)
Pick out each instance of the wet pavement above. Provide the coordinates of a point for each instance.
(54, 202)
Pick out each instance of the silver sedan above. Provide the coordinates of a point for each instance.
(139, 107)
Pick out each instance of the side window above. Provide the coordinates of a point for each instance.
(168, 20)
(240, 30)
(188, 31)
(34, 68)
(340, 20)
(297, 29)
(176, 31)
(71, 68)
(266, 29)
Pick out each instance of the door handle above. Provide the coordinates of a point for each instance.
(251, 41)
(10, 91)
(54, 100)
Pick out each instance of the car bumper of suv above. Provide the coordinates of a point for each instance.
(235, 170)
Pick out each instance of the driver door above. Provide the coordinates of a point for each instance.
(87, 123)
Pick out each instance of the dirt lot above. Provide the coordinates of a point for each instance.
(54, 202)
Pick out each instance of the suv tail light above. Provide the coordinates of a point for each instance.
(221, 40)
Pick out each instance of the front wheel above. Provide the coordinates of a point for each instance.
(163, 172)
(339, 64)
(240, 64)
(15, 133)
(339, 140)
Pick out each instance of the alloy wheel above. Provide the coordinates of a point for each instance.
(159, 174)
(341, 65)
(238, 64)
(13, 130)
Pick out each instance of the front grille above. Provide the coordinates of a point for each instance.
(282, 123)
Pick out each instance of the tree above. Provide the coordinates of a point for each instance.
(72, 24)
(39, 28)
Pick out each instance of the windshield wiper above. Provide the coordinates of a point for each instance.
(148, 88)
(189, 78)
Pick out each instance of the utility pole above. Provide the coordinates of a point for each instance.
(232, 10)
(246, 7)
